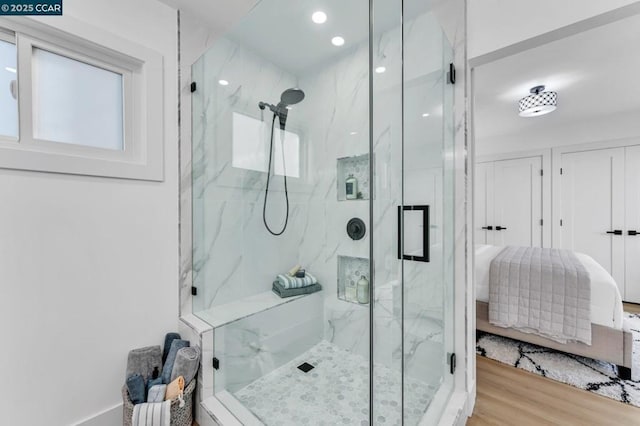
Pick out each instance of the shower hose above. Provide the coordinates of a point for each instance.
(266, 191)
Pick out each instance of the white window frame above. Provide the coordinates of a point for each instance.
(142, 156)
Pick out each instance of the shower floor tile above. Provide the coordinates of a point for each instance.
(334, 392)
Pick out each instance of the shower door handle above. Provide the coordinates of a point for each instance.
(425, 233)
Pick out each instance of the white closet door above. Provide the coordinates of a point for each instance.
(592, 204)
(518, 202)
(483, 207)
(632, 222)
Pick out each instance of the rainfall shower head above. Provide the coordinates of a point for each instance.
(289, 97)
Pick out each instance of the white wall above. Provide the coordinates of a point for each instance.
(88, 266)
(616, 126)
(494, 24)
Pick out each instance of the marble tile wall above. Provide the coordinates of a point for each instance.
(338, 117)
(233, 255)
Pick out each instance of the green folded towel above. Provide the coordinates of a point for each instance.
(290, 292)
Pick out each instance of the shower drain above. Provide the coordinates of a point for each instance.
(306, 367)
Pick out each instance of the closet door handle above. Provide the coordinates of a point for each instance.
(488, 228)
(633, 233)
(615, 232)
(500, 228)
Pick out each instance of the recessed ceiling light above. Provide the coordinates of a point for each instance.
(13, 70)
(319, 17)
(223, 82)
(380, 70)
(353, 133)
(337, 41)
(426, 114)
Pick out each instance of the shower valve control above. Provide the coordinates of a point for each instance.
(356, 229)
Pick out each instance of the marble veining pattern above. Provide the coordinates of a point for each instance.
(335, 392)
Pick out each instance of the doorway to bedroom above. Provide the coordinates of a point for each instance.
(557, 206)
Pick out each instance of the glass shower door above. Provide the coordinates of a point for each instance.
(427, 218)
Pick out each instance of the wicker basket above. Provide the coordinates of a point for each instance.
(179, 416)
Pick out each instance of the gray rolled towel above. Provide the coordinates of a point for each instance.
(186, 364)
(143, 361)
(167, 368)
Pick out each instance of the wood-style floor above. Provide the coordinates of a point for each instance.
(510, 396)
(631, 308)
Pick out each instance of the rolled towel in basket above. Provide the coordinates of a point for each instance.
(157, 393)
(186, 364)
(176, 345)
(175, 389)
(152, 414)
(143, 361)
(168, 339)
(287, 281)
(153, 382)
(136, 388)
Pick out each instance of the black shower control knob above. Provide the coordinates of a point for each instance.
(356, 228)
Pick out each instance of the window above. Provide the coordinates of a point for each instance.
(76, 103)
(88, 104)
(251, 147)
(8, 87)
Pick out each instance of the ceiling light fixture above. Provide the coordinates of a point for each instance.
(319, 17)
(13, 70)
(353, 133)
(223, 82)
(538, 102)
(380, 70)
(426, 114)
(337, 41)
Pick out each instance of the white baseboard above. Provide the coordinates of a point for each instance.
(109, 417)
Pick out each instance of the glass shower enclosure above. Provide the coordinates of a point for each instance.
(325, 141)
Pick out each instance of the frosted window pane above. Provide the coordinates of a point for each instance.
(251, 146)
(76, 103)
(8, 90)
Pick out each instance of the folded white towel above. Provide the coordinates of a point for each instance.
(288, 281)
(152, 414)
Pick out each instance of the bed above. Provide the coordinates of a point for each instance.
(609, 341)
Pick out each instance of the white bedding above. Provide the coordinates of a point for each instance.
(606, 303)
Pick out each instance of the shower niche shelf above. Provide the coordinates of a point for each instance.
(358, 166)
(351, 269)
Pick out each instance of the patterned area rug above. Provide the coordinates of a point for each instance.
(584, 373)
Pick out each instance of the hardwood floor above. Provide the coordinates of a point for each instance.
(632, 308)
(509, 396)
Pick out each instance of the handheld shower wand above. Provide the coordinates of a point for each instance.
(288, 97)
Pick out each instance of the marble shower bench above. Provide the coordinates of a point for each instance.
(250, 338)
